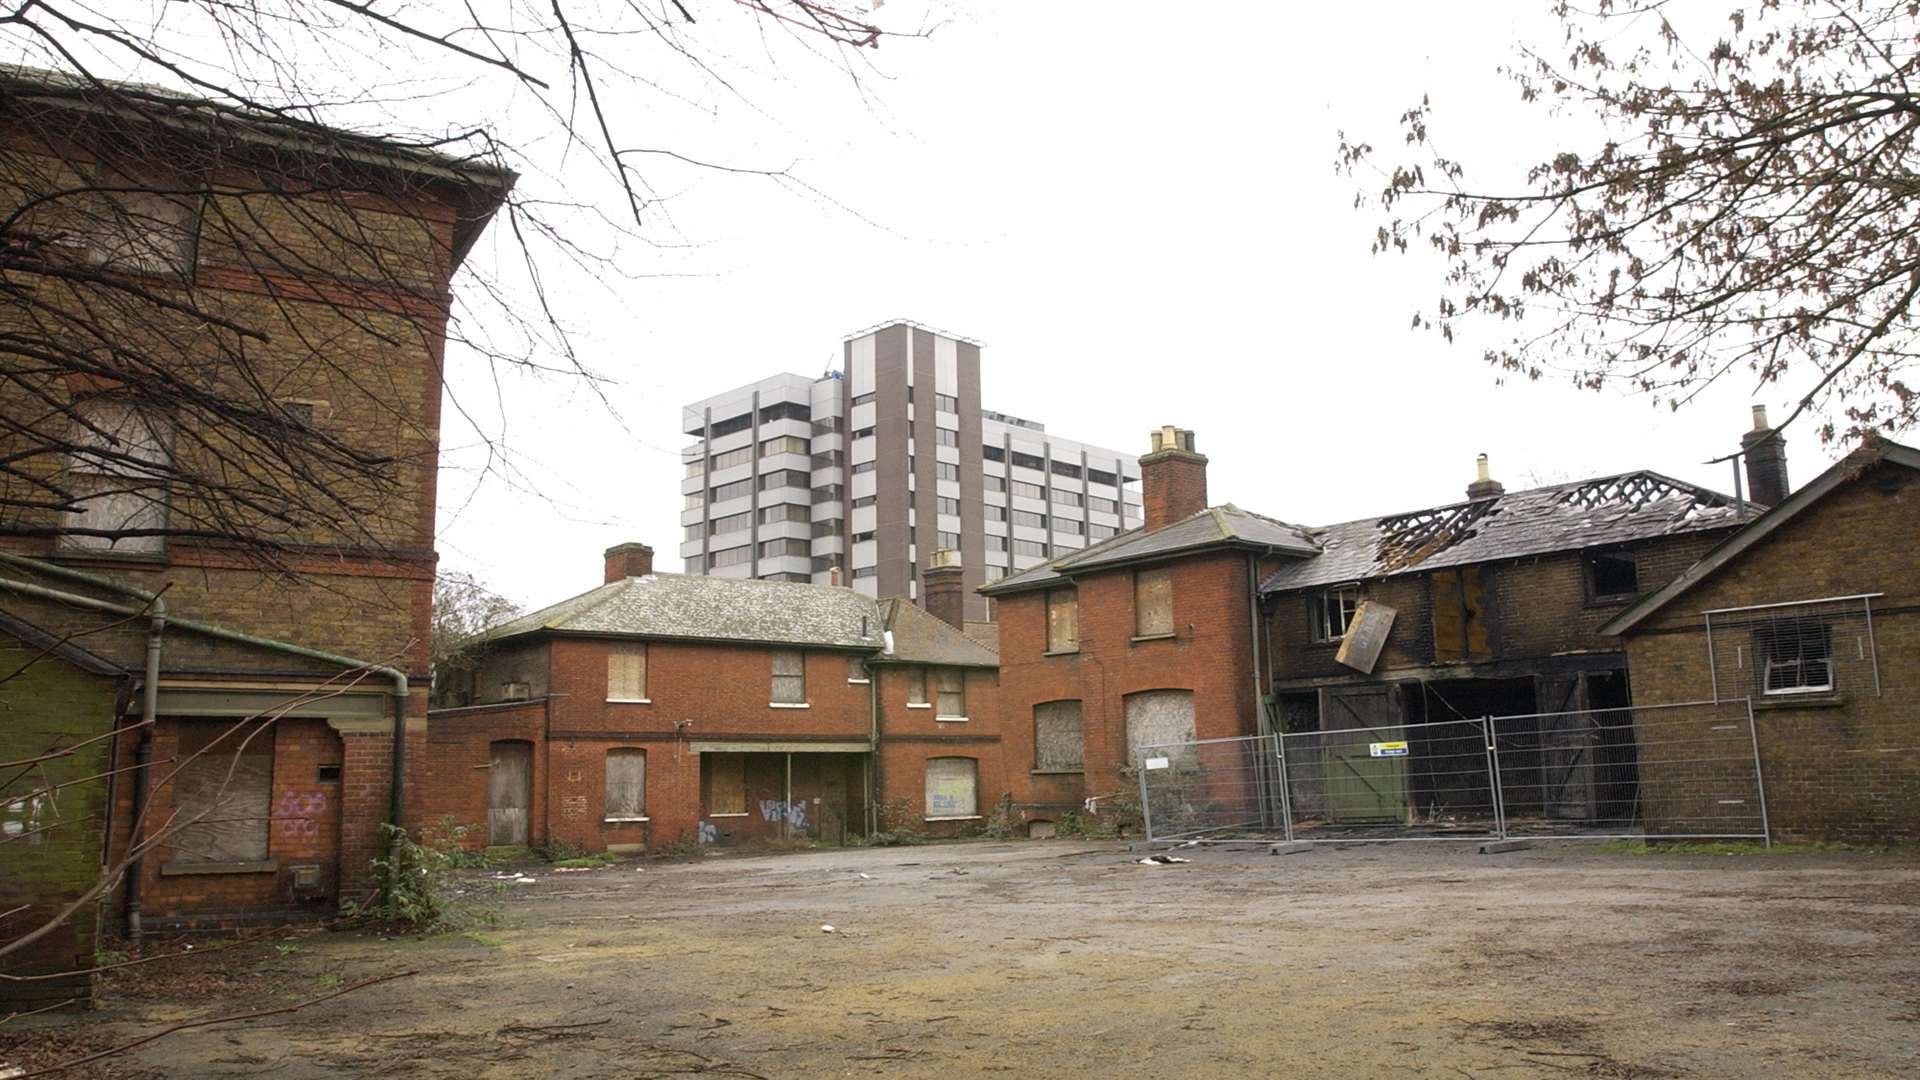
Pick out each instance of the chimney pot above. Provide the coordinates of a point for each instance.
(1484, 485)
(1173, 478)
(628, 560)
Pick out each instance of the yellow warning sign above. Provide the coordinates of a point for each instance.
(1387, 749)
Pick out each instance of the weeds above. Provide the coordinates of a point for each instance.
(411, 880)
(598, 858)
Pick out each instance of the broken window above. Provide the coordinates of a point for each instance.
(144, 232)
(117, 477)
(514, 691)
(1333, 612)
(1612, 575)
(789, 677)
(1796, 656)
(952, 788)
(224, 794)
(1063, 620)
(1153, 603)
(1460, 614)
(627, 671)
(1056, 737)
(626, 784)
(726, 783)
(952, 693)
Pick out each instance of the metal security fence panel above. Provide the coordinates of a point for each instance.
(1218, 789)
(1430, 781)
(1817, 648)
(1688, 771)
(1675, 771)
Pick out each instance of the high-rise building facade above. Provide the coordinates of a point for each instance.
(868, 470)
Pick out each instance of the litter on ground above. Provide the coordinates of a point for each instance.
(1162, 860)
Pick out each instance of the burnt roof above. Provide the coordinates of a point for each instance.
(1597, 512)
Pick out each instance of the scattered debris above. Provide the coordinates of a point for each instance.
(866, 877)
(516, 877)
(572, 869)
(1161, 860)
(826, 928)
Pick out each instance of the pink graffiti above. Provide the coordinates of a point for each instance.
(297, 810)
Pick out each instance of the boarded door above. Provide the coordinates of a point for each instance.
(1567, 745)
(509, 792)
(1362, 785)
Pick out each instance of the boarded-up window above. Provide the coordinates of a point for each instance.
(857, 669)
(952, 683)
(1153, 603)
(789, 677)
(627, 672)
(953, 785)
(726, 783)
(1158, 718)
(117, 476)
(510, 792)
(626, 783)
(226, 792)
(1063, 620)
(1056, 737)
(141, 231)
(917, 686)
(1460, 614)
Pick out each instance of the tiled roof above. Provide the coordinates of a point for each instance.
(920, 637)
(1215, 527)
(986, 633)
(691, 606)
(1583, 514)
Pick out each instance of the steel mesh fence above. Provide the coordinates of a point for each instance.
(1675, 771)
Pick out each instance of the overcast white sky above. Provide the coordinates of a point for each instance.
(1135, 207)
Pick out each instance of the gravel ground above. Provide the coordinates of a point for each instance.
(1064, 958)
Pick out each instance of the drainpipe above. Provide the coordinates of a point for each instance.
(873, 741)
(149, 709)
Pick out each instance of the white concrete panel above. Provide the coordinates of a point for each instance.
(946, 365)
(860, 370)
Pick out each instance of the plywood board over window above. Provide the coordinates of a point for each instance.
(226, 792)
(1153, 603)
(726, 783)
(627, 672)
(1159, 718)
(626, 783)
(1057, 745)
(917, 686)
(1063, 620)
(789, 677)
(952, 683)
(953, 787)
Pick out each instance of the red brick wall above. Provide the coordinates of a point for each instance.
(311, 821)
(697, 692)
(1173, 486)
(1845, 767)
(909, 736)
(1210, 654)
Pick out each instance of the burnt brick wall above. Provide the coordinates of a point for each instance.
(1538, 608)
(1846, 767)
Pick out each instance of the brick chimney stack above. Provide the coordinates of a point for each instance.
(628, 560)
(1484, 485)
(1766, 461)
(1173, 478)
(941, 591)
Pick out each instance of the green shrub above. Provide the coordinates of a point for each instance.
(411, 879)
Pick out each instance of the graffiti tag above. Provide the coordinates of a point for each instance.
(297, 813)
(794, 813)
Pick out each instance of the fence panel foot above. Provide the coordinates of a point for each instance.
(1495, 847)
(1297, 847)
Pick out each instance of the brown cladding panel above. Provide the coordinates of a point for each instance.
(890, 474)
(973, 515)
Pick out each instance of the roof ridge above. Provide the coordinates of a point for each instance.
(611, 588)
